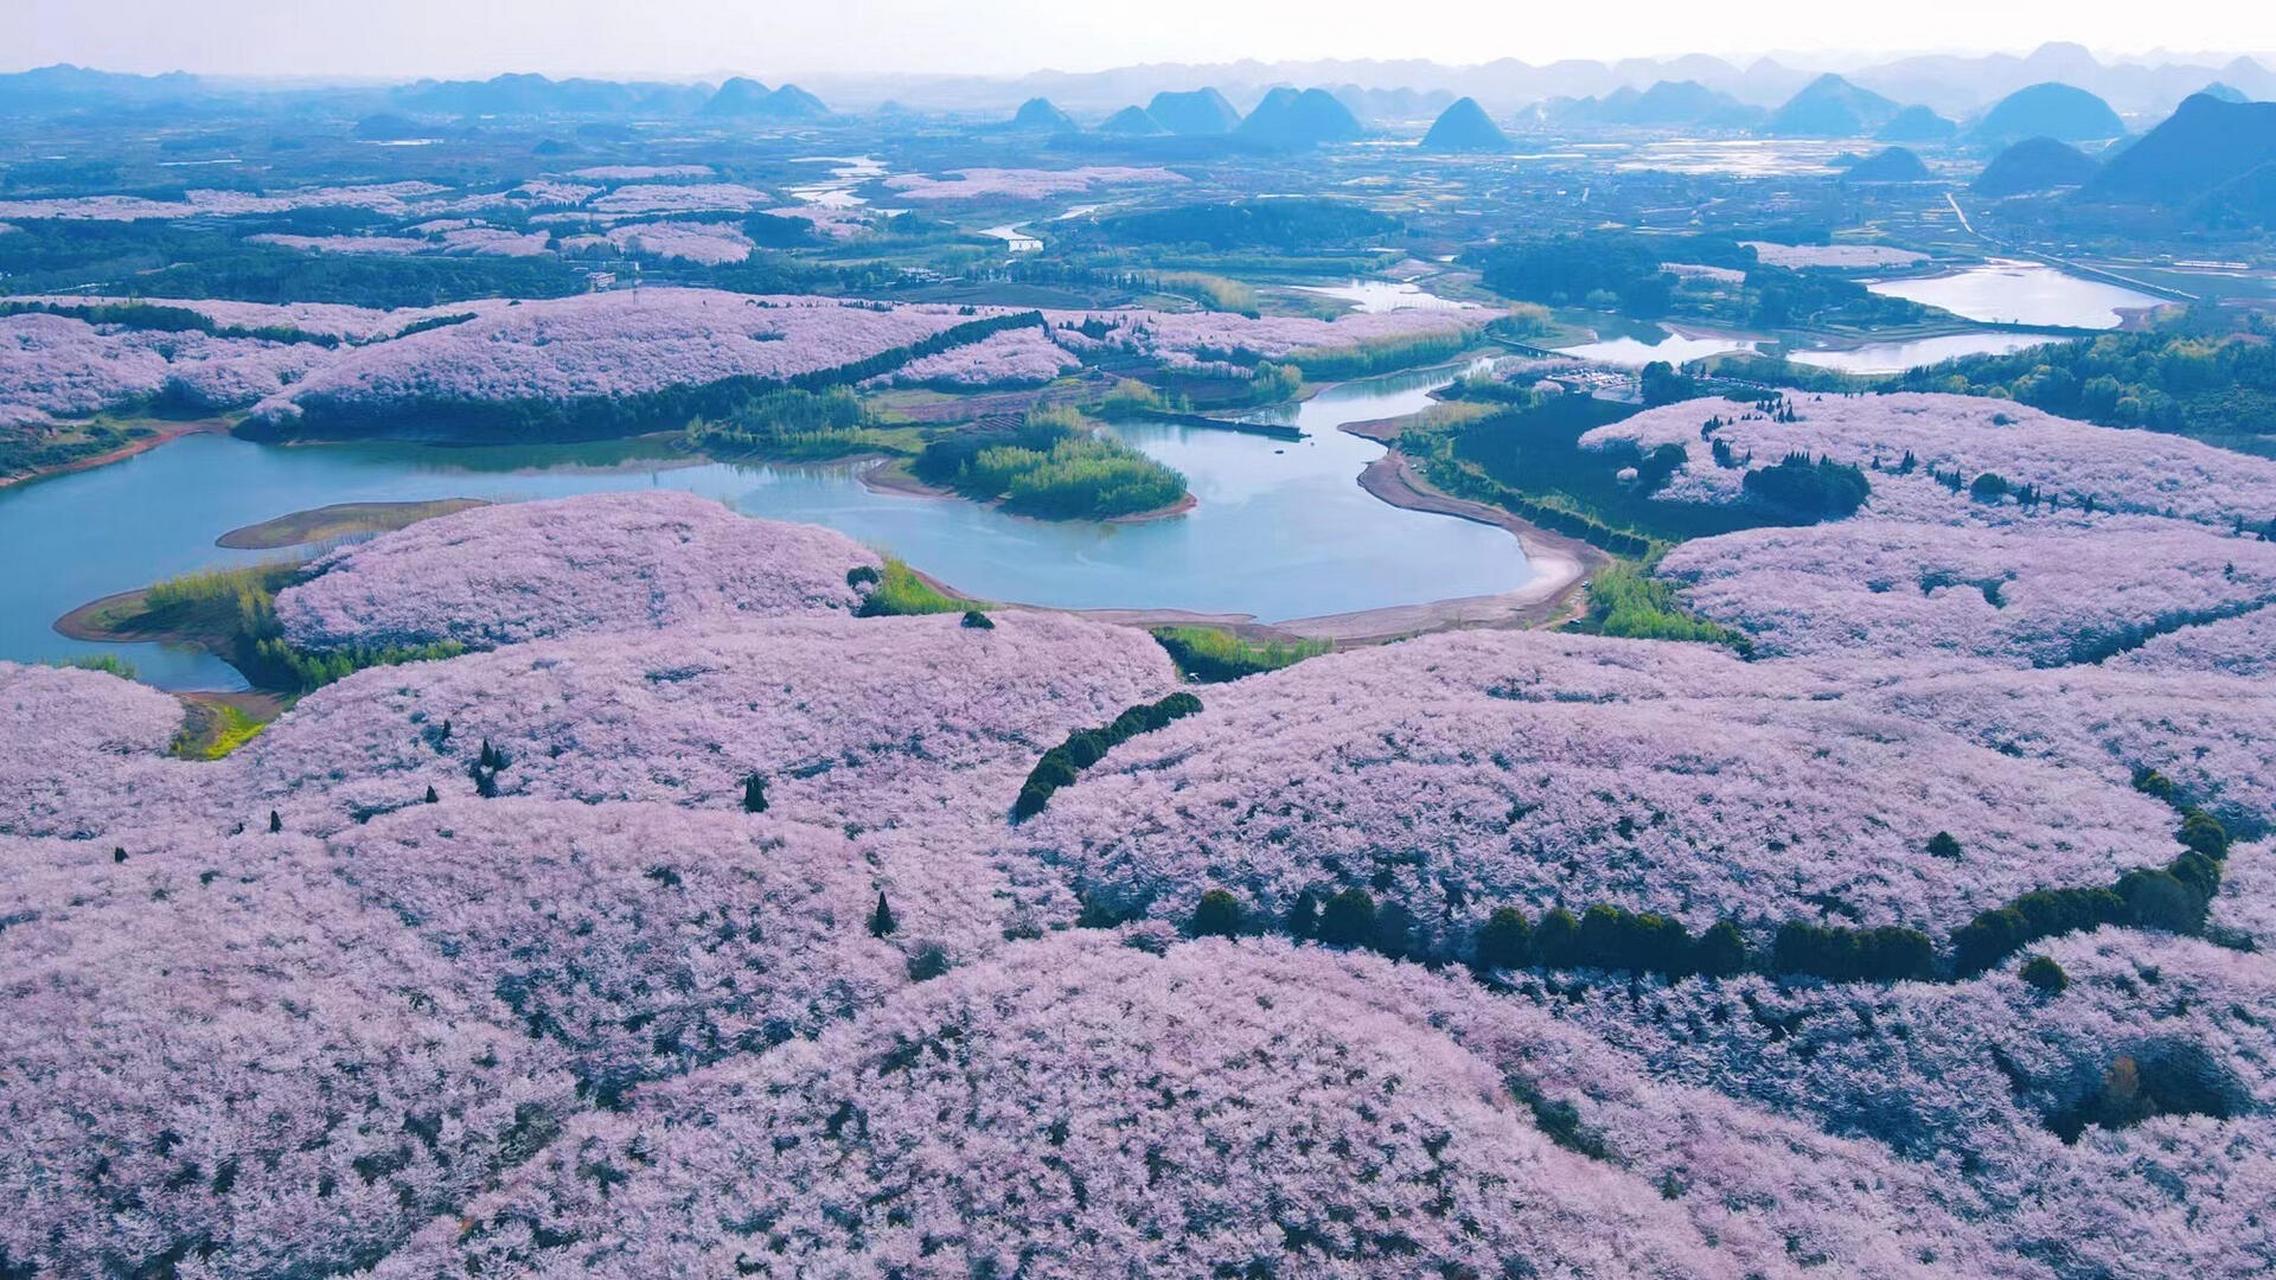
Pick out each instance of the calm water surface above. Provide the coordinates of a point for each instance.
(2004, 291)
(1283, 531)
(1896, 357)
(1386, 295)
(1675, 348)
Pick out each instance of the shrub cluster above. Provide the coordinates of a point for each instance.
(1084, 748)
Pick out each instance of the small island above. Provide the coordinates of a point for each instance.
(1052, 464)
(338, 522)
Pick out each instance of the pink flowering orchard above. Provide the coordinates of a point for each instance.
(915, 641)
(704, 897)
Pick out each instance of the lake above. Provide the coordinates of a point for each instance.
(1675, 348)
(2005, 291)
(1386, 295)
(1896, 357)
(1282, 530)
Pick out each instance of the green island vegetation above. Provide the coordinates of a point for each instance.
(1213, 654)
(2174, 898)
(898, 591)
(1085, 747)
(232, 614)
(795, 424)
(1330, 364)
(1051, 464)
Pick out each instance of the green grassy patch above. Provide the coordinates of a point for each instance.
(232, 613)
(1211, 654)
(1626, 601)
(108, 664)
(214, 730)
(898, 591)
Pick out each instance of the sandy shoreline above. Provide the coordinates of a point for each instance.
(1555, 592)
(165, 433)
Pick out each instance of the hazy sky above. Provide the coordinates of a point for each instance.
(771, 38)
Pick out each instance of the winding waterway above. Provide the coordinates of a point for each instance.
(1282, 531)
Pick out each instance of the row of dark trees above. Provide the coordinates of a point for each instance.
(2172, 898)
(1085, 747)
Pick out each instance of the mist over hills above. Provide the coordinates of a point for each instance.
(2050, 110)
(2216, 157)
(1949, 85)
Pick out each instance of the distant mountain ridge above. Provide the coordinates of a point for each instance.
(1953, 86)
(1890, 164)
(2035, 164)
(1039, 115)
(2207, 142)
(1831, 107)
(1465, 127)
(1666, 104)
(1202, 111)
(2052, 109)
(1299, 118)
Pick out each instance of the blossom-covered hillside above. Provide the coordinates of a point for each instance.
(859, 722)
(1992, 532)
(56, 365)
(419, 371)
(527, 571)
(694, 923)
(1458, 774)
(612, 344)
(1080, 1108)
(2044, 593)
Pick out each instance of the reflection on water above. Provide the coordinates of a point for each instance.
(1675, 348)
(1282, 530)
(2003, 291)
(1896, 357)
(1747, 157)
(848, 172)
(1386, 295)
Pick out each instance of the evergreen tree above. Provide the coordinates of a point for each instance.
(1721, 951)
(2042, 972)
(1556, 941)
(1304, 917)
(1505, 941)
(1218, 915)
(754, 794)
(1349, 919)
(276, 822)
(881, 921)
(432, 798)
